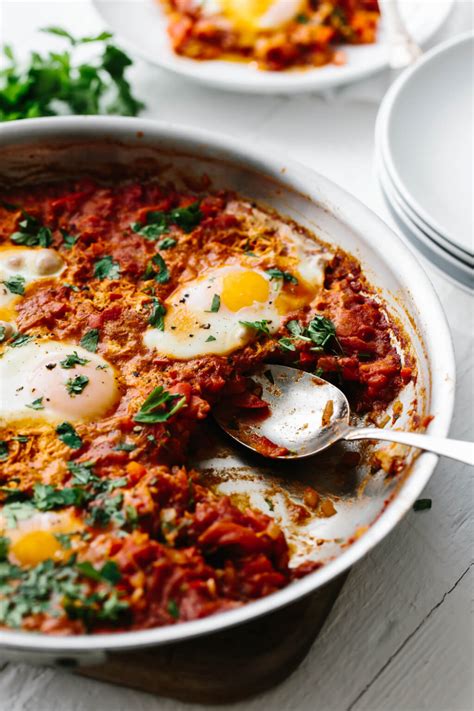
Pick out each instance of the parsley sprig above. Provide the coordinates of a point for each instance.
(50, 83)
(158, 222)
(320, 333)
(159, 406)
(31, 232)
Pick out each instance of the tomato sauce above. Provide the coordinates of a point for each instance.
(153, 545)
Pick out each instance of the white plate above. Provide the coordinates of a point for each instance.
(451, 267)
(425, 138)
(141, 24)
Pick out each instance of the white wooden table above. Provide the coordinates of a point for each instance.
(400, 635)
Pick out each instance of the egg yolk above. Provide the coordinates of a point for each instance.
(249, 13)
(36, 546)
(243, 288)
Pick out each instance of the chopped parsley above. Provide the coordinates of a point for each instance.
(47, 497)
(38, 588)
(422, 505)
(17, 511)
(320, 333)
(16, 284)
(286, 344)
(302, 19)
(68, 240)
(278, 274)
(173, 609)
(90, 340)
(109, 571)
(260, 327)
(161, 274)
(157, 314)
(31, 232)
(125, 447)
(159, 406)
(76, 385)
(4, 545)
(72, 359)
(209, 339)
(167, 243)
(36, 404)
(159, 222)
(106, 268)
(20, 339)
(68, 435)
(216, 304)
(3, 449)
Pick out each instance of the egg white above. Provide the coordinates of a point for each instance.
(192, 329)
(29, 263)
(34, 371)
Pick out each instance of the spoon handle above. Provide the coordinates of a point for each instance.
(452, 448)
(402, 49)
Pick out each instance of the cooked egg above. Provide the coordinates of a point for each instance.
(212, 314)
(255, 15)
(35, 539)
(21, 266)
(51, 381)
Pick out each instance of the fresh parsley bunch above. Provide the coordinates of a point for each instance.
(56, 83)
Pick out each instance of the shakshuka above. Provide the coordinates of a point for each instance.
(126, 311)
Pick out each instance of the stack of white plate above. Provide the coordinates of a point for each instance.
(424, 149)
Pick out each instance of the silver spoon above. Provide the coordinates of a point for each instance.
(306, 414)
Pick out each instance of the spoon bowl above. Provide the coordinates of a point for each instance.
(297, 414)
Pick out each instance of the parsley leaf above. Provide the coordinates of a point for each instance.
(209, 339)
(155, 408)
(278, 274)
(17, 511)
(68, 240)
(73, 359)
(20, 339)
(47, 497)
(161, 275)
(157, 314)
(31, 233)
(36, 404)
(167, 243)
(125, 447)
(109, 571)
(158, 222)
(216, 304)
(16, 284)
(3, 449)
(68, 435)
(422, 505)
(76, 385)
(106, 268)
(90, 340)
(260, 327)
(173, 609)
